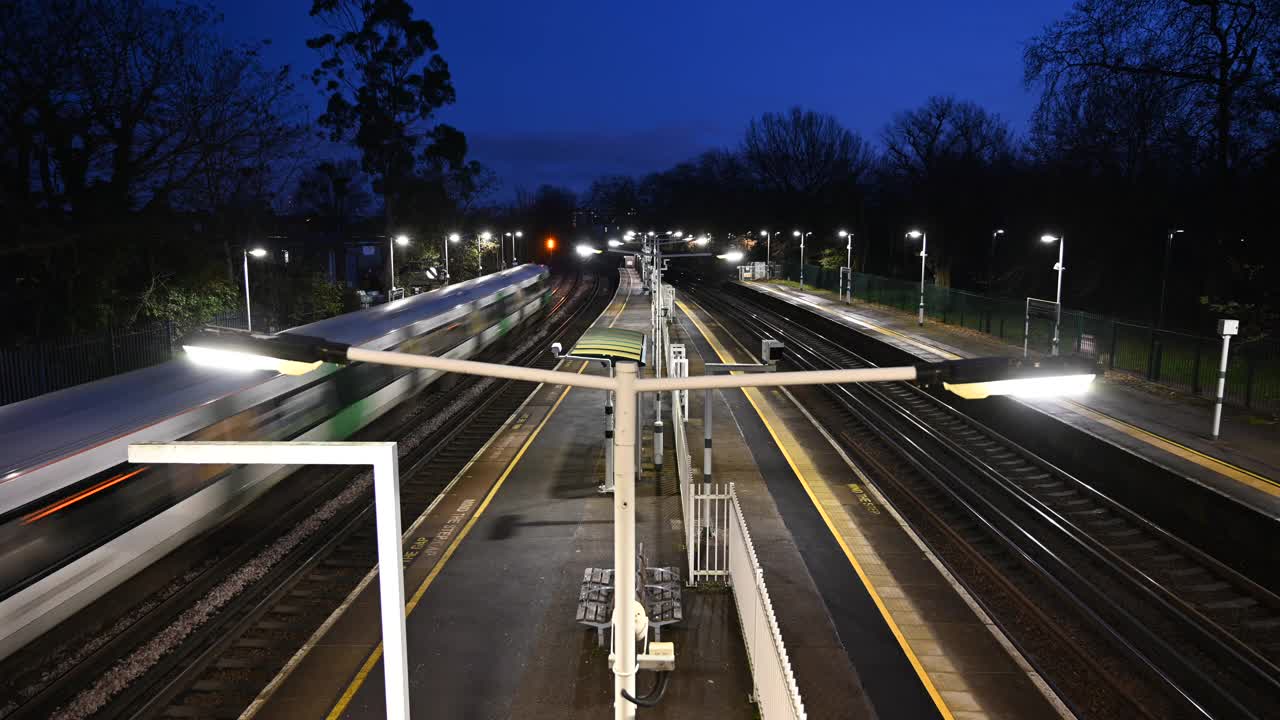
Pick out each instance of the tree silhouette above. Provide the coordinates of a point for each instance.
(384, 82)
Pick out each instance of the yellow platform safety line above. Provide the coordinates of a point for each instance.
(376, 655)
(1252, 479)
(921, 673)
(1222, 467)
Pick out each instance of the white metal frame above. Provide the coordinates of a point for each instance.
(386, 498)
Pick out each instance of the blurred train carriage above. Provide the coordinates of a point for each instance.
(76, 519)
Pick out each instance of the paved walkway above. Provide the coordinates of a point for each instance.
(1168, 428)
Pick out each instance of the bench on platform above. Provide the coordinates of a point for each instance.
(657, 588)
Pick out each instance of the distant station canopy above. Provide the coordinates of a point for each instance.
(612, 344)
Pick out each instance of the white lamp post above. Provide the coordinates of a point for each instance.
(848, 264)
(802, 236)
(402, 241)
(453, 238)
(924, 247)
(768, 246)
(1057, 321)
(513, 237)
(484, 237)
(1164, 276)
(248, 309)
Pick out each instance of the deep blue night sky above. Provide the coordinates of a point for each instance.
(561, 92)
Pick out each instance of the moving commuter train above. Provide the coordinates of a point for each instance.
(76, 519)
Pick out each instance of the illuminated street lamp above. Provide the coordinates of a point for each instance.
(732, 256)
(402, 241)
(991, 259)
(768, 245)
(298, 354)
(513, 236)
(847, 277)
(482, 238)
(924, 246)
(1164, 277)
(1057, 320)
(248, 311)
(802, 236)
(615, 242)
(585, 250)
(701, 241)
(453, 238)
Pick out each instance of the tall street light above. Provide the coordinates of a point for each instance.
(1164, 277)
(1057, 321)
(453, 238)
(924, 247)
(991, 259)
(848, 263)
(482, 238)
(299, 354)
(768, 246)
(513, 236)
(848, 247)
(402, 241)
(802, 236)
(248, 310)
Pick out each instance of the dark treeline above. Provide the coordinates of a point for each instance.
(140, 154)
(1154, 116)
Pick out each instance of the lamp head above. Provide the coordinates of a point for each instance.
(519, 234)
(732, 256)
(402, 240)
(999, 232)
(585, 250)
(915, 234)
(285, 353)
(977, 378)
(486, 235)
(795, 233)
(702, 241)
(843, 233)
(455, 237)
(1046, 238)
(258, 252)
(615, 242)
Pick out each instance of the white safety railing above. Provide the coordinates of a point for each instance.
(707, 528)
(684, 469)
(776, 692)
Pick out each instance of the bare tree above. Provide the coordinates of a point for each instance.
(1216, 56)
(805, 152)
(945, 133)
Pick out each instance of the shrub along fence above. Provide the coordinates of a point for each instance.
(1183, 361)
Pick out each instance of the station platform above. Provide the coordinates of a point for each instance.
(492, 572)
(1167, 428)
(872, 628)
(918, 646)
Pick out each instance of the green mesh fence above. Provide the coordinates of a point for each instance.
(1180, 360)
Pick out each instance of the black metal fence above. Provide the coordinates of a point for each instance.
(38, 368)
(1183, 361)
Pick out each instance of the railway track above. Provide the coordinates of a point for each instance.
(1170, 631)
(227, 632)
